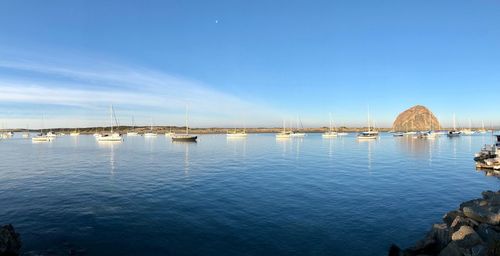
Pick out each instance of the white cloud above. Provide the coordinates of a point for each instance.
(137, 90)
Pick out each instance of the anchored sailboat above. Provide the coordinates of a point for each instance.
(151, 133)
(454, 132)
(330, 133)
(111, 136)
(133, 132)
(185, 137)
(284, 134)
(369, 134)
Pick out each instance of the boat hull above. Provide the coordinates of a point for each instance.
(185, 138)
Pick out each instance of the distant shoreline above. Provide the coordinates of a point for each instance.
(211, 130)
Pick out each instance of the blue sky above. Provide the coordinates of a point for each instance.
(247, 62)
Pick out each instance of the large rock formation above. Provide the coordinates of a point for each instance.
(417, 118)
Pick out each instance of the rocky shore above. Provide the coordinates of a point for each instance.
(472, 229)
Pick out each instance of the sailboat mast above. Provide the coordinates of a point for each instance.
(187, 129)
(454, 124)
(369, 119)
(111, 117)
(330, 122)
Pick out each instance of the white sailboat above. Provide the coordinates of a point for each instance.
(133, 132)
(185, 137)
(469, 131)
(41, 137)
(296, 133)
(75, 133)
(111, 136)
(237, 134)
(482, 130)
(330, 133)
(150, 134)
(284, 134)
(369, 134)
(170, 133)
(26, 134)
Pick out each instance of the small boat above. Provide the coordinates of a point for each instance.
(368, 135)
(342, 133)
(284, 134)
(150, 134)
(185, 137)
(454, 132)
(51, 134)
(468, 132)
(26, 135)
(41, 138)
(236, 134)
(296, 133)
(132, 133)
(398, 134)
(75, 133)
(111, 136)
(330, 133)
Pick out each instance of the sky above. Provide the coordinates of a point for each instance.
(247, 63)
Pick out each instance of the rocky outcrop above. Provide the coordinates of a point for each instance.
(10, 241)
(473, 229)
(417, 118)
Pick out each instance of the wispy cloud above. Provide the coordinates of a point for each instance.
(137, 90)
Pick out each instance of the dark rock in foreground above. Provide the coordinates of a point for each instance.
(10, 241)
(473, 229)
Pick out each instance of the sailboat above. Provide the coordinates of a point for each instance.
(454, 132)
(133, 132)
(330, 133)
(369, 134)
(469, 131)
(185, 137)
(41, 137)
(75, 133)
(26, 134)
(296, 133)
(170, 133)
(150, 133)
(482, 130)
(284, 134)
(236, 134)
(111, 136)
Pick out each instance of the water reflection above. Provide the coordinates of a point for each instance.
(111, 145)
(185, 145)
(237, 142)
(415, 147)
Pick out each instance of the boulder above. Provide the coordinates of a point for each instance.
(10, 241)
(460, 221)
(482, 214)
(417, 118)
(452, 250)
(466, 237)
(449, 217)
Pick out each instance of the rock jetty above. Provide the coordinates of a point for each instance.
(10, 241)
(472, 229)
(417, 118)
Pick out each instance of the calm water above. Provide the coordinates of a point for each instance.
(254, 196)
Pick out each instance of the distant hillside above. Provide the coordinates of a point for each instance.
(417, 118)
